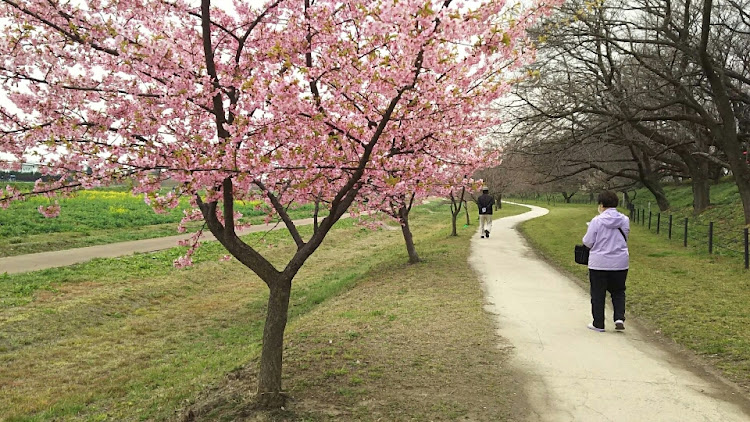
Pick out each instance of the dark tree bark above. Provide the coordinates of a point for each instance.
(650, 179)
(402, 212)
(701, 185)
(466, 209)
(269, 384)
(656, 189)
(456, 203)
(627, 202)
(701, 195)
(408, 238)
(725, 132)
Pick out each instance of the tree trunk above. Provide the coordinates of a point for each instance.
(466, 208)
(410, 249)
(741, 173)
(699, 176)
(701, 193)
(655, 187)
(715, 173)
(499, 202)
(725, 131)
(456, 204)
(626, 200)
(649, 178)
(269, 377)
(744, 187)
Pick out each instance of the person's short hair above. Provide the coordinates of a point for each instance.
(608, 199)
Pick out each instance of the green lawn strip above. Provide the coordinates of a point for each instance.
(698, 300)
(420, 348)
(126, 287)
(411, 342)
(18, 289)
(130, 338)
(21, 245)
(101, 216)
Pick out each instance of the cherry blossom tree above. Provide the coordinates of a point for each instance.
(456, 194)
(307, 100)
(427, 172)
(395, 200)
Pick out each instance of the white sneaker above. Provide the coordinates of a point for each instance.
(619, 325)
(598, 330)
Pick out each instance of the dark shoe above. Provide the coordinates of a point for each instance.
(619, 325)
(487, 233)
(482, 237)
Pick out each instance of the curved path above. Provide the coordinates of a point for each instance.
(575, 374)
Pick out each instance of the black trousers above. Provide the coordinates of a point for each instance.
(601, 283)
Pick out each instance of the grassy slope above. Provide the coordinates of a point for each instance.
(698, 300)
(134, 339)
(725, 211)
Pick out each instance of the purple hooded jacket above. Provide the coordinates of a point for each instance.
(609, 250)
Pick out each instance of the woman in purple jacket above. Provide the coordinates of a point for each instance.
(607, 236)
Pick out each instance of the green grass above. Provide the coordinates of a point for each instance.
(698, 300)
(100, 216)
(135, 339)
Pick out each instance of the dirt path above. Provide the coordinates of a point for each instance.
(43, 260)
(575, 374)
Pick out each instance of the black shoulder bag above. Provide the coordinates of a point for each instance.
(582, 251)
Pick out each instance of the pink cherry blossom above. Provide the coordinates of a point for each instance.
(324, 102)
(50, 211)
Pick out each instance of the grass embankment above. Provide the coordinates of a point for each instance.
(698, 300)
(725, 212)
(95, 217)
(369, 337)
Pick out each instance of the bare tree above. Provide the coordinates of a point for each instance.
(628, 91)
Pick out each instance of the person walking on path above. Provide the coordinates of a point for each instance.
(607, 237)
(485, 203)
(567, 377)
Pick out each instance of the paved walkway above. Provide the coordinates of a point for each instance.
(43, 260)
(575, 374)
